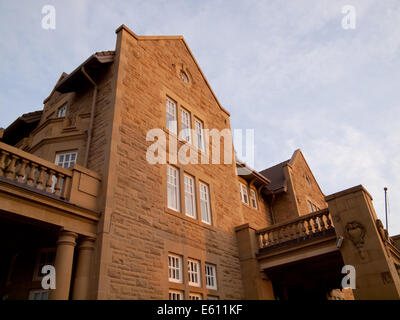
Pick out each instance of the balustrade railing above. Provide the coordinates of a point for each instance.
(301, 228)
(24, 168)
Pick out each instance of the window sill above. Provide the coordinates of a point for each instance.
(183, 216)
(249, 206)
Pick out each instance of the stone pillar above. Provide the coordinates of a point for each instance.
(83, 269)
(363, 247)
(63, 265)
(255, 283)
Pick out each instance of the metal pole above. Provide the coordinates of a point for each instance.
(386, 216)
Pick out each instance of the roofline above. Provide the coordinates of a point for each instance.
(256, 173)
(291, 162)
(95, 55)
(178, 37)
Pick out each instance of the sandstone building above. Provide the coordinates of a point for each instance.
(78, 192)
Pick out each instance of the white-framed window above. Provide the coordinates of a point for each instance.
(190, 197)
(173, 188)
(45, 256)
(39, 294)
(312, 206)
(243, 193)
(175, 268)
(199, 131)
(194, 272)
(186, 130)
(195, 296)
(172, 123)
(212, 298)
(205, 203)
(175, 295)
(62, 111)
(211, 276)
(66, 159)
(253, 198)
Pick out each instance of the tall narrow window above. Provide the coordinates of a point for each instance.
(190, 198)
(175, 295)
(66, 159)
(243, 193)
(45, 256)
(175, 268)
(211, 276)
(62, 111)
(199, 130)
(185, 126)
(253, 198)
(205, 203)
(172, 124)
(173, 188)
(194, 272)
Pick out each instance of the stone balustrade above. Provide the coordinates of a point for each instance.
(301, 228)
(77, 185)
(25, 168)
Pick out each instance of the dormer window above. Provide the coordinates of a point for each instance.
(62, 111)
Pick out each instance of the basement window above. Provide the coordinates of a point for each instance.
(175, 295)
(195, 296)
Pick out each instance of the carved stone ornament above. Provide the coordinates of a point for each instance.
(355, 231)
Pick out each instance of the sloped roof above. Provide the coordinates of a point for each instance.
(276, 176)
(92, 64)
(21, 127)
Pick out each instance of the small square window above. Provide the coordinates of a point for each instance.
(211, 276)
(175, 295)
(62, 111)
(195, 296)
(194, 272)
(175, 268)
(39, 294)
(66, 159)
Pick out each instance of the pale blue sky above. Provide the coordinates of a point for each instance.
(285, 68)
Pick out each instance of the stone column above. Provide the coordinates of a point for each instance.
(255, 283)
(83, 269)
(63, 265)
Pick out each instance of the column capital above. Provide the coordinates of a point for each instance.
(67, 238)
(86, 243)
